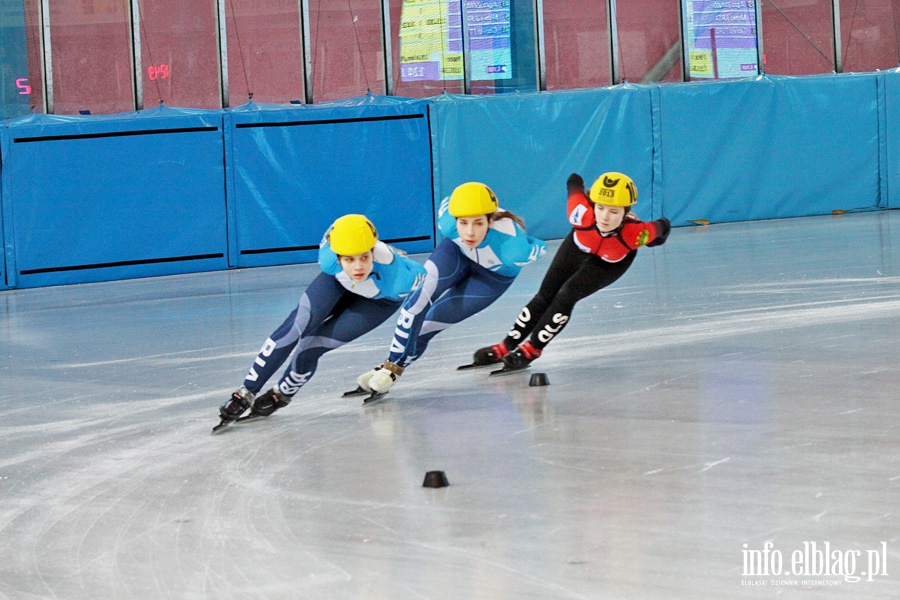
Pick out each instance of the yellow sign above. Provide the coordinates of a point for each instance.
(701, 63)
(431, 40)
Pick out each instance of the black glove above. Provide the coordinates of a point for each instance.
(665, 228)
(575, 183)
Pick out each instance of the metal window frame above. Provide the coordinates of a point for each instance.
(760, 49)
(137, 60)
(612, 19)
(387, 48)
(46, 56)
(685, 51)
(836, 21)
(467, 67)
(306, 52)
(539, 46)
(222, 43)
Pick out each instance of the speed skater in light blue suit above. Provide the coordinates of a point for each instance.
(482, 252)
(362, 283)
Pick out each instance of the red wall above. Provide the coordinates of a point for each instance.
(180, 63)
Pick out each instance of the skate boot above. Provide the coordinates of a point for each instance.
(385, 377)
(490, 355)
(236, 405)
(521, 357)
(268, 403)
(363, 380)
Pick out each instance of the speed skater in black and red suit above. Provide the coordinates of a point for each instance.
(600, 248)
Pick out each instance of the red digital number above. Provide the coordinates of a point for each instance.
(160, 72)
(22, 84)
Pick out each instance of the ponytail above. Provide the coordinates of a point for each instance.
(505, 214)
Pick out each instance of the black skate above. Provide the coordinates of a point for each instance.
(487, 356)
(236, 406)
(268, 403)
(519, 359)
(359, 391)
(373, 398)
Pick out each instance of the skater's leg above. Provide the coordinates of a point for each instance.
(445, 268)
(354, 317)
(463, 300)
(567, 260)
(316, 304)
(595, 274)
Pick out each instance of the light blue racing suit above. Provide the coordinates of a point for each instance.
(460, 282)
(332, 311)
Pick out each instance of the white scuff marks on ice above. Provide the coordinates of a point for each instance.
(710, 327)
(710, 465)
(166, 359)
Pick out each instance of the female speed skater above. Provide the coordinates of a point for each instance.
(601, 246)
(362, 283)
(482, 252)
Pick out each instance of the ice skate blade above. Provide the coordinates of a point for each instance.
(477, 366)
(223, 425)
(359, 391)
(251, 417)
(374, 398)
(507, 371)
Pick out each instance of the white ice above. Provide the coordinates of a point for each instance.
(737, 386)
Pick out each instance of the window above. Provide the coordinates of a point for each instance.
(91, 56)
(426, 46)
(649, 41)
(345, 43)
(438, 41)
(798, 37)
(501, 44)
(576, 44)
(721, 38)
(16, 85)
(264, 54)
(870, 34)
(179, 53)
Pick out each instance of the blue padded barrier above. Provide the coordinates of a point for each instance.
(114, 197)
(169, 191)
(524, 146)
(891, 82)
(769, 147)
(292, 170)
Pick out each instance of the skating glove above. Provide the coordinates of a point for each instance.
(575, 183)
(665, 228)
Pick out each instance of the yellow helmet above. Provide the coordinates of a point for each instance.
(351, 235)
(614, 189)
(472, 199)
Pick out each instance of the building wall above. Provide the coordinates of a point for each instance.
(106, 57)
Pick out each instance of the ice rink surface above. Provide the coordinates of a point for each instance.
(723, 422)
